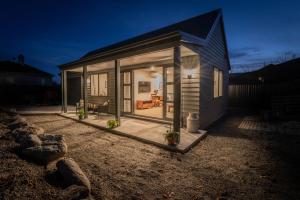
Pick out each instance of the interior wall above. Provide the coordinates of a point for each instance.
(145, 75)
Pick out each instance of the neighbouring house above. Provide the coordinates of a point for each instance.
(274, 87)
(23, 84)
(160, 75)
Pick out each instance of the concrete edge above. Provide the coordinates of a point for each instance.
(166, 147)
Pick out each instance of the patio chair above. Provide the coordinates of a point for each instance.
(102, 108)
(79, 105)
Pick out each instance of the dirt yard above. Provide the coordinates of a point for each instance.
(230, 163)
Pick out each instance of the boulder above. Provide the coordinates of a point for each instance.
(46, 153)
(21, 132)
(17, 123)
(7, 118)
(75, 192)
(72, 174)
(51, 139)
(4, 130)
(30, 141)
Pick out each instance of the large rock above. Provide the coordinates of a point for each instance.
(75, 192)
(72, 174)
(4, 130)
(7, 118)
(21, 132)
(18, 123)
(51, 139)
(46, 153)
(30, 141)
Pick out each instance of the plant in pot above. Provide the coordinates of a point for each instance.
(112, 123)
(172, 137)
(81, 114)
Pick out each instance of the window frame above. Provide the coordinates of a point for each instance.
(105, 84)
(220, 87)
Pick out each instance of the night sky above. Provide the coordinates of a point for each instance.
(53, 32)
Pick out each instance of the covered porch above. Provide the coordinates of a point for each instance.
(157, 82)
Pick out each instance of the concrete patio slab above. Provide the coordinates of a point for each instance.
(144, 131)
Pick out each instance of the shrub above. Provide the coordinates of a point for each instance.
(112, 123)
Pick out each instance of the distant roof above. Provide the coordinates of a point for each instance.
(9, 66)
(199, 26)
(288, 71)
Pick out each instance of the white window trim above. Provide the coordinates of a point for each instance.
(219, 88)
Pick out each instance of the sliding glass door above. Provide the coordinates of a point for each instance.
(127, 92)
(169, 96)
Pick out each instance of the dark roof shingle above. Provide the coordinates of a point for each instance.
(198, 26)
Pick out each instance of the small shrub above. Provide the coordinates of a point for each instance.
(81, 114)
(172, 137)
(112, 123)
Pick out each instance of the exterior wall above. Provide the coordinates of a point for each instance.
(110, 91)
(213, 55)
(74, 85)
(190, 87)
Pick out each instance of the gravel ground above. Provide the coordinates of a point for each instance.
(230, 163)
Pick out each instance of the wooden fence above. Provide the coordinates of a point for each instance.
(260, 95)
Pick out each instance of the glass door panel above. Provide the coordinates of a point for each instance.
(127, 97)
(170, 92)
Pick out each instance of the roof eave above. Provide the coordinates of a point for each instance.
(174, 36)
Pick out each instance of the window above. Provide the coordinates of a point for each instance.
(99, 84)
(218, 83)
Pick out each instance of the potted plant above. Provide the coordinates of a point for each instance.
(81, 114)
(113, 123)
(172, 137)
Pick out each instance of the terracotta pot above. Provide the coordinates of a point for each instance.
(172, 142)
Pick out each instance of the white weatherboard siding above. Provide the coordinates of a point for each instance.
(213, 55)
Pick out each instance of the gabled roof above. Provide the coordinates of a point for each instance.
(199, 26)
(9, 66)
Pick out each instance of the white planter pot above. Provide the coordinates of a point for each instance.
(192, 123)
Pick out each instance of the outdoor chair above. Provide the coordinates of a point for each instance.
(102, 108)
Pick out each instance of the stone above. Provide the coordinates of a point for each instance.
(72, 174)
(21, 132)
(4, 132)
(46, 153)
(30, 141)
(51, 139)
(75, 192)
(17, 123)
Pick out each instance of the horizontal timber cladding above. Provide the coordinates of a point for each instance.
(190, 85)
(110, 90)
(213, 54)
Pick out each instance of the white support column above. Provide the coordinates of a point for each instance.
(117, 91)
(84, 69)
(177, 89)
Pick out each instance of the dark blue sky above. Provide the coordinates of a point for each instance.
(53, 32)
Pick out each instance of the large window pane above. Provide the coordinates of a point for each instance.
(94, 85)
(127, 106)
(103, 84)
(216, 84)
(127, 92)
(220, 83)
(127, 78)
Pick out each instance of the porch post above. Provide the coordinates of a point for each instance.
(85, 105)
(117, 91)
(177, 89)
(64, 91)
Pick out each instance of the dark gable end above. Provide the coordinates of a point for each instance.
(199, 26)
